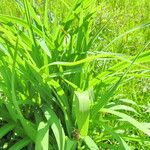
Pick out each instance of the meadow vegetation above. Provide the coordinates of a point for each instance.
(74, 74)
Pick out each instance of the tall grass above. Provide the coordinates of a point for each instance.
(53, 95)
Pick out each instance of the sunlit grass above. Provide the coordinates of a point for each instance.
(69, 75)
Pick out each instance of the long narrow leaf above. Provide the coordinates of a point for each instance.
(129, 119)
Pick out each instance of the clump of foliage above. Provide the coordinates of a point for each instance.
(55, 89)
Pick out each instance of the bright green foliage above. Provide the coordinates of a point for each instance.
(81, 108)
(60, 86)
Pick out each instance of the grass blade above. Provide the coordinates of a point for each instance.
(90, 143)
(81, 109)
(129, 119)
(56, 126)
(20, 144)
(6, 128)
(42, 137)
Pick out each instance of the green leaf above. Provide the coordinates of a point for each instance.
(128, 101)
(81, 109)
(20, 144)
(125, 145)
(56, 126)
(129, 119)
(42, 137)
(45, 47)
(123, 107)
(90, 143)
(6, 128)
(63, 103)
(70, 144)
(122, 144)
